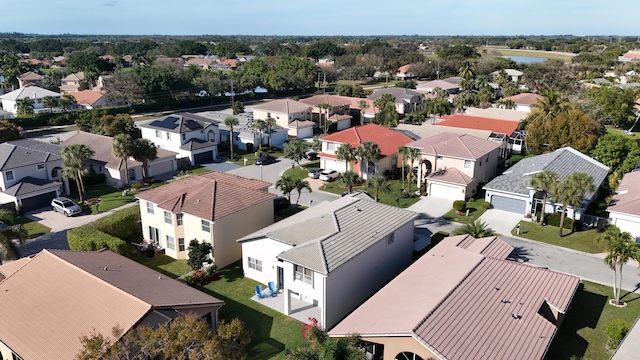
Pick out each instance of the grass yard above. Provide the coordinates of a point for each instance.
(475, 211)
(195, 171)
(302, 172)
(530, 53)
(582, 335)
(33, 228)
(272, 331)
(388, 198)
(586, 241)
(110, 196)
(251, 156)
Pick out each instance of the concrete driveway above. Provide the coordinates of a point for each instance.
(501, 221)
(430, 220)
(57, 221)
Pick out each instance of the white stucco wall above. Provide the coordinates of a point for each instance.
(626, 222)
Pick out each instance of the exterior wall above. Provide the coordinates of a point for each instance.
(265, 250)
(522, 107)
(486, 168)
(10, 106)
(343, 124)
(174, 140)
(282, 119)
(157, 166)
(31, 170)
(157, 221)
(117, 177)
(394, 345)
(626, 222)
(355, 281)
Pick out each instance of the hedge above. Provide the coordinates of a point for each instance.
(554, 220)
(87, 239)
(123, 224)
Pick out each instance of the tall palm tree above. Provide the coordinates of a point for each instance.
(621, 248)
(8, 248)
(367, 151)
(25, 106)
(402, 151)
(347, 153)
(74, 158)
(349, 179)
(269, 123)
(286, 184)
(551, 104)
(259, 126)
(467, 70)
(301, 185)
(230, 122)
(413, 154)
(582, 184)
(363, 105)
(543, 181)
(144, 150)
(377, 184)
(122, 148)
(477, 229)
(564, 192)
(324, 109)
(506, 104)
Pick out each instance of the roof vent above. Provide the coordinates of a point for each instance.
(505, 301)
(159, 277)
(358, 209)
(516, 316)
(105, 268)
(497, 288)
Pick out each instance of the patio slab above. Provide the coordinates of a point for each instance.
(300, 310)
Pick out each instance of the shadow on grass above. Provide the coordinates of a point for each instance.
(584, 313)
(622, 298)
(230, 273)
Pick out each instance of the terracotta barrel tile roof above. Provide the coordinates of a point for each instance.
(388, 140)
(480, 123)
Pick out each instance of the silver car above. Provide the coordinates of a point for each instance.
(315, 173)
(66, 206)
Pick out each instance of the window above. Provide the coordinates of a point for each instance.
(181, 244)
(439, 157)
(331, 146)
(467, 164)
(304, 274)
(8, 175)
(171, 244)
(179, 219)
(480, 163)
(184, 137)
(149, 208)
(132, 174)
(168, 217)
(391, 238)
(40, 167)
(255, 264)
(268, 115)
(157, 133)
(206, 226)
(168, 136)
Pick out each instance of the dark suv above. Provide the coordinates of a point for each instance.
(265, 160)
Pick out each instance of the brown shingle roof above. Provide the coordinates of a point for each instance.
(627, 197)
(454, 145)
(451, 175)
(287, 106)
(210, 196)
(524, 98)
(87, 97)
(479, 123)
(333, 100)
(31, 76)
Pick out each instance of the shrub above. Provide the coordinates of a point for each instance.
(137, 185)
(87, 239)
(7, 216)
(459, 205)
(123, 224)
(485, 205)
(554, 220)
(95, 179)
(198, 253)
(616, 331)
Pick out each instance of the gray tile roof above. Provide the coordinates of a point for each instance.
(563, 162)
(181, 123)
(196, 144)
(29, 185)
(18, 153)
(401, 94)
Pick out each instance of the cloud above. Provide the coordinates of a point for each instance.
(111, 3)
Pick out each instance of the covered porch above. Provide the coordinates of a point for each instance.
(300, 310)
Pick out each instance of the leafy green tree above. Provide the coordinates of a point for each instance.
(238, 108)
(8, 248)
(347, 153)
(89, 63)
(506, 104)
(323, 48)
(477, 229)
(552, 104)
(113, 125)
(8, 131)
(67, 102)
(198, 253)
(610, 105)
(74, 158)
(621, 248)
(316, 144)
(11, 68)
(49, 102)
(230, 122)
(349, 179)
(158, 82)
(573, 128)
(125, 86)
(144, 150)
(544, 182)
(301, 185)
(323, 347)
(295, 150)
(24, 106)
(122, 149)
(287, 184)
(367, 152)
(612, 149)
(377, 184)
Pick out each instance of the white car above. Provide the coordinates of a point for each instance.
(66, 206)
(329, 175)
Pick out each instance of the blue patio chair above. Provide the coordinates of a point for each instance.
(259, 293)
(272, 288)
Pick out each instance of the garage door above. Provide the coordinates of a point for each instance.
(446, 191)
(305, 133)
(333, 165)
(205, 157)
(163, 167)
(38, 201)
(632, 227)
(508, 204)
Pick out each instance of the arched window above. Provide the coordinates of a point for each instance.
(211, 136)
(407, 355)
(132, 174)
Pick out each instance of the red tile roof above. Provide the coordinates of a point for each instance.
(404, 69)
(86, 97)
(230, 62)
(333, 100)
(388, 140)
(210, 196)
(479, 123)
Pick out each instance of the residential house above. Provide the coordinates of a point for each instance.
(215, 207)
(464, 301)
(102, 83)
(58, 296)
(630, 56)
(524, 101)
(370, 111)
(404, 72)
(430, 86)
(171, 62)
(407, 100)
(31, 173)
(89, 99)
(333, 255)
(387, 140)
(624, 207)
(512, 75)
(35, 93)
(244, 136)
(6, 115)
(511, 191)
(204, 64)
(30, 78)
(36, 63)
(229, 64)
(453, 165)
(191, 136)
(73, 83)
(504, 132)
(103, 161)
(59, 62)
(337, 113)
(295, 116)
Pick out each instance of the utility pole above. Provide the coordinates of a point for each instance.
(232, 93)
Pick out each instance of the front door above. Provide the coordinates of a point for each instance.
(280, 278)
(154, 235)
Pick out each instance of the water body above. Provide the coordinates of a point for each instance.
(526, 59)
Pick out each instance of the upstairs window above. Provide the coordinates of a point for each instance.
(149, 208)
(467, 164)
(206, 226)
(168, 218)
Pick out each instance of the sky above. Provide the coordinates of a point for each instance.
(321, 17)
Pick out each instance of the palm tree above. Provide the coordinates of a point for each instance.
(324, 109)
(349, 179)
(8, 248)
(551, 104)
(582, 184)
(269, 123)
(67, 102)
(74, 158)
(363, 105)
(564, 192)
(367, 151)
(377, 184)
(478, 229)
(144, 150)
(230, 122)
(621, 248)
(347, 153)
(25, 106)
(286, 184)
(299, 186)
(49, 102)
(402, 151)
(506, 104)
(122, 148)
(543, 181)
(259, 125)
(467, 70)
(413, 154)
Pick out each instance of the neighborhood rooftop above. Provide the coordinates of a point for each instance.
(627, 197)
(454, 145)
(18, 153)
(507, 127)
(181, 122)
(388, 140)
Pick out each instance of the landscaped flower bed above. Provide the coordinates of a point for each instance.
(201, 277)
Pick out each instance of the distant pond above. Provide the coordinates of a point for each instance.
(526, 59)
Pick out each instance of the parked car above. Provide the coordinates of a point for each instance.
(265, 160)
(329, 175)
(66, 206)
(312, 156)
(280, 203)
(315, 173)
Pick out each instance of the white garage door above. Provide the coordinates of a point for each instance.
(508, 204)
(162, 167)
(631, 227)
(446, 191)
(305, 133)
(332, 164)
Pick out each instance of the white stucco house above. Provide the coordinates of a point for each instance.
(244, 136)
(334, 255)
(191, 136)
(624, 208)
(36, 94)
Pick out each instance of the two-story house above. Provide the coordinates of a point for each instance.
(289, 114)
(31, 173)
(36, 94)
(387, 140)
(215, 207)
(453, 165)
(333, 255)
(338, 111)
(407, 100)
(30, 78)
(73, 82)
(191, 136)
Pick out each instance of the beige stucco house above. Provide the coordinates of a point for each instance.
(214, 207)
(338, 112)
(289, 114)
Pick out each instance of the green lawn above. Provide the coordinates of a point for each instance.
(195, 171)
(530, 53)
(586, 241)
(582, 335)
(301, 172)
(110, 196)
(272, 331)
(388, 198)
(33, 228)
(475, 211)
(251, 156)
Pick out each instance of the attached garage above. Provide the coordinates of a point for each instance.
(38, 201)
(203, 157)
(305, 133)
(332, 164)
(446, 191)
(161, 166)
(509, 204)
